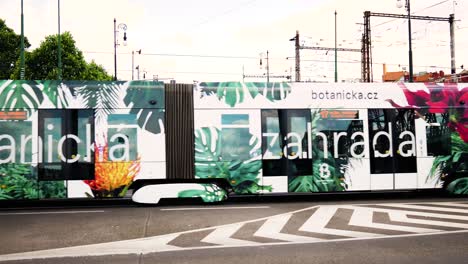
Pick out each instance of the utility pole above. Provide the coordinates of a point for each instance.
(22, 44)
(336, 55)
(452, 48)
(268, 69)
(298, 56)
(410, 49)
(367, 44)
(115, 50)
(59, 51)
(133, 61)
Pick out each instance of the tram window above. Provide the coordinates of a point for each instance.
(66, 136)
(235, 137)
(285, 142)
(438, 134)
(16, 141)
(380, 157)
(392, 140)
(273, 163)
(122, 137)
(405, 141)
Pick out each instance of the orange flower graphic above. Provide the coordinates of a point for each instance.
(112, 178)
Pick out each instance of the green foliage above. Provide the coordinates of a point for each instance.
(17, 181)
(242, 175)
(139, 94)
(41, 63)
(332, 182)
(96, 72)
(443, 165)
(10, 48)
(458, 186)
(234, 92)
(211, 193)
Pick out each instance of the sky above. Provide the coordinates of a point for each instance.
(221, 40)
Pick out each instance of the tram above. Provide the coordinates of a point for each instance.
(147, 140)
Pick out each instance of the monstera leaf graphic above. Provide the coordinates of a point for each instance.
(20, 95)
(103, 97)
(272, 91)
(146, 100)
(231, 92)
(242, 175)
(234, 92)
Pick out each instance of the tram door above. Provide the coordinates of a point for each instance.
(392, 144)
(285, 148)
(66, 138)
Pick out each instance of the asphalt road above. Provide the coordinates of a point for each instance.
(411, 230)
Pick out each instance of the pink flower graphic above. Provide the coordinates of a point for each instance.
(446, 99)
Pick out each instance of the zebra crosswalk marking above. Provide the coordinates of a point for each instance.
(273, 227)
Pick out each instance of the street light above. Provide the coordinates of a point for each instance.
(410, 52)
(123, 27)
(59, 48)
(138, 71)
(133, 60)
(22, 44)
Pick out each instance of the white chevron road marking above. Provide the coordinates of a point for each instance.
(134, 246)
(318, 221)
(402, 217)
(463, 205)
(273, 226)
(222, 236)
(426, 214)
(362, 216)
(428, 207)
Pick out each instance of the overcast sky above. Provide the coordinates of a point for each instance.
(226, 37)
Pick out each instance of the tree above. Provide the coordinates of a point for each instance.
(41, 63)
(96, 72)
(10, 48)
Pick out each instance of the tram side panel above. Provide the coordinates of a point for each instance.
(329, 137)
(79, 138)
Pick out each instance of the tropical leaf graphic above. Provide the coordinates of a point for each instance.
(443, 165)
(103, 97)
(458, 186)
(242, 175)
(139, 97)
(20, 95)
(55, 91)
(211, 193)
